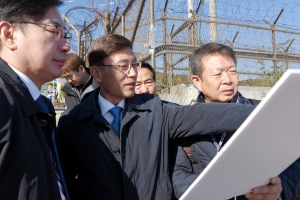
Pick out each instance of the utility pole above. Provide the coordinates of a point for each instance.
(151, 34)
(192, 27)
(190, 8)
(213, 17)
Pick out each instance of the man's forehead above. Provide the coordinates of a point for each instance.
(52, 16)
(123, 55)
(145, 74)
(67, 72)
(145, 70)
(220, 66)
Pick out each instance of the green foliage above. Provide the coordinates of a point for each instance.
(269, 75)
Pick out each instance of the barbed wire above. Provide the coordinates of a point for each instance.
(246, 26)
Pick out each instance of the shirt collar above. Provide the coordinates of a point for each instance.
(105, 105)
(33, 89)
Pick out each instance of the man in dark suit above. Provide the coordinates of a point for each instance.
(32, 50)
(129, 161)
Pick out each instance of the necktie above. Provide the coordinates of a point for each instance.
(116, 111)
(41, 104)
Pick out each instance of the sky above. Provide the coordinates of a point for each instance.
(256, 12)
(70, 4)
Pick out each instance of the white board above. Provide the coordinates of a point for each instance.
(263, 146)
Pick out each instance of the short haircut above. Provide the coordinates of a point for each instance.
(72, 63)
(105, 46)
(151, 69)
(14, 11)
(196, 65)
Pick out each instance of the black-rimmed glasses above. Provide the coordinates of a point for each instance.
(124, 67)
(69, 76)
(56, 29)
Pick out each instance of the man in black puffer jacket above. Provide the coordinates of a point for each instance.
(213, 68)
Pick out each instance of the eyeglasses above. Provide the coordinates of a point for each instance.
(56, 29)
(124, 67)
(69, 76)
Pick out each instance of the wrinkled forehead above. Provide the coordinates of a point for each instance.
(217, 61)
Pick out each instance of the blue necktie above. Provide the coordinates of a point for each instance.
(41, 104)
(116, 112)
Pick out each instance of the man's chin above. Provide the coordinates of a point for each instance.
(129, 94)
(226, 100)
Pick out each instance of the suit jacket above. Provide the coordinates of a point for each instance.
(136, 166)
(26, 168)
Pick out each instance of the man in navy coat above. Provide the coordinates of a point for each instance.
(32, 50)
(129, 161)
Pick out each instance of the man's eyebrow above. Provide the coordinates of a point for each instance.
(127, 60)
(217, 69)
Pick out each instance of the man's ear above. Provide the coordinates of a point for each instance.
(197, 81)
(81, 68)
(96, 74)
(7, 35)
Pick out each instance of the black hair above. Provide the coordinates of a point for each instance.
(196, 65)
(14, 11)
(151, 69)
(105, 46)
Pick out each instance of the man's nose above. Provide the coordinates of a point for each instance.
(132, 72)
(144, 89)
(65, 46)
(226, 77)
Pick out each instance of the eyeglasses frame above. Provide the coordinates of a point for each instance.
(65, 34)
(69, 76)
(119, 68)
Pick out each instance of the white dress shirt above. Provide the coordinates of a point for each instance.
(105, 106)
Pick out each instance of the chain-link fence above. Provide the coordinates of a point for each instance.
(264, 34)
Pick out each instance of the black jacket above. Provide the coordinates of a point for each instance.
(26, 168)
(136, 166)
(202, 151)
(72, 98)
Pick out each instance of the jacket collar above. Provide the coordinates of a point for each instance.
(19, 89)
(90, 107)
(90, 86)
(237, 98)
(201, 98)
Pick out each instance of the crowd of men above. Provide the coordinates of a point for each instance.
(119, 140)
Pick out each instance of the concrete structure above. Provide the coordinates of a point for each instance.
(186, 94)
